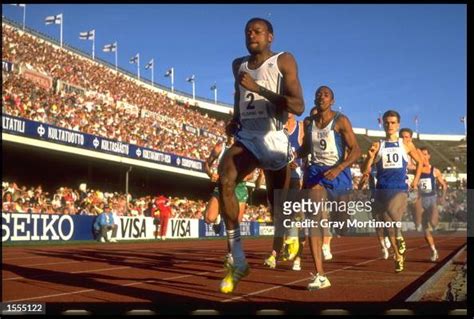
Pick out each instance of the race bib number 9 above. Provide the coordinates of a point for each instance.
(392, 158)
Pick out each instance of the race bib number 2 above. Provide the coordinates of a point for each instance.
(253, 105)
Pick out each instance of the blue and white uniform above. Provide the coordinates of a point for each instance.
(295, 144)
(261, 122)
(391, 164)
(327, 151)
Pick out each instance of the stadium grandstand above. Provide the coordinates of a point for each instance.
(87, 122)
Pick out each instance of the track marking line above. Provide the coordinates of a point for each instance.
(329, 272)
(123, 285)
(210, 272)
(58, 263)
(70, 273)
(97, 270)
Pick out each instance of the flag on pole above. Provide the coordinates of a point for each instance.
(134, 59)
(463, 119)
(214, 87)
(110, 47)
(88, 35)
(190, 79)
(57, 19)
(169, 72)
(149, 65)
(18, 4)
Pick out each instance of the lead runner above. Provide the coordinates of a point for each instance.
(267, 88)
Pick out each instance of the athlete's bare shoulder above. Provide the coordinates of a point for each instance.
(236, 64)
(286, 61)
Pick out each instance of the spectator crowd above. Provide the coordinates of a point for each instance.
(89, 97)
(84, 201)
(102, 102)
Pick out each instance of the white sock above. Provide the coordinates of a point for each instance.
(218, 220)
(433, 248)
(233, 237)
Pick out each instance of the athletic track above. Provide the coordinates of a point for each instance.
(182, 277)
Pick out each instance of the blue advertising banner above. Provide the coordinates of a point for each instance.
(246, 229)
(50, 133)
(45, 227)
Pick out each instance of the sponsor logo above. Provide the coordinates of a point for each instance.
(11, 124)
(17, 227)
(180, 228)
(133, 228)
(156, 156)
(245, 229)
(267, 230)
(116, 147)
(191, 164)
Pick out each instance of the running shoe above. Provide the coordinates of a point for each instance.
(234, 274)
(399, 264)
(319, 282)
(401, 245)
(385, 253)
(296, 264)
(293, 247)
(270, 262)
(434, 255)
(327, 252)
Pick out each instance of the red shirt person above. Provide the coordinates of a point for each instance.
(163, 204)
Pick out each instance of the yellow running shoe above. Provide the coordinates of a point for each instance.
(293, 247)
(399, 264)
(401, 245)
(270, 262)
(234, 274)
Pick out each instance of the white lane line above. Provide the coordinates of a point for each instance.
(69, 273)
(123, 285)
(100, 269)
(57, 263)
(329, 272)
(202, 273)
(18, 258)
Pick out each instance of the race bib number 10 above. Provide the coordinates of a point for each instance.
(392, 158)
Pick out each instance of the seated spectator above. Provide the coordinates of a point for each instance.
(103, 224)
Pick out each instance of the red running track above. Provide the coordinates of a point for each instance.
(183, 276)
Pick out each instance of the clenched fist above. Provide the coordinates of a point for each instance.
(231, 128)
(248, 82)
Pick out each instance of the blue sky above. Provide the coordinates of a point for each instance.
(411, 58)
